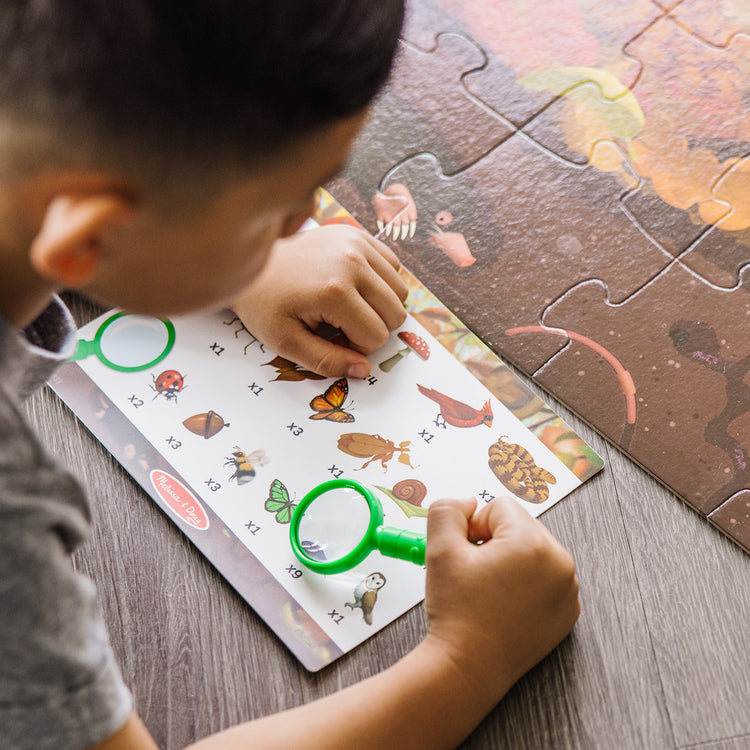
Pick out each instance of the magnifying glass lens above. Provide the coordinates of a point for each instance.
(334, 524)
(131, 341)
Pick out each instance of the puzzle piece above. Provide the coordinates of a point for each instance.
(526, 46)
(713, 21)
(586, 114)
(535, 226)
(695, 113)
(684, 182)
(675, 340)
(520, 39)
(723, 251)
(403, 122)
(692, 151)
(596, 119)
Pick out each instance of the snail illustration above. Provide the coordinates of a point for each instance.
(411, 490)
(408, 495)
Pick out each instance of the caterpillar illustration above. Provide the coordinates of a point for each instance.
(515, 467)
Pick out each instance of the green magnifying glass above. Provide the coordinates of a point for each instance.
(340, 522)
(128, 342)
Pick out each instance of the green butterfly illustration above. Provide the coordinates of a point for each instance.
(279, 503)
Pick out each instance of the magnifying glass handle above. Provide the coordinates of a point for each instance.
(400, 543)
(85, 349)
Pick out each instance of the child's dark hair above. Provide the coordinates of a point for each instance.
(224, 79)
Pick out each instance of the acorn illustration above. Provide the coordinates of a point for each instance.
(205, 425)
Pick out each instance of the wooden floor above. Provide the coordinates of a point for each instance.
(659, 659)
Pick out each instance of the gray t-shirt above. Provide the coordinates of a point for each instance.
(59, 684)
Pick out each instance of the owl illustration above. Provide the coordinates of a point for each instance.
(366, 594)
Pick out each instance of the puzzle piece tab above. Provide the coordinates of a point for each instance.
(724, 250)
(530, 44)
(403, 122)
(719, 257)
(425, 20)
(587, 114)
(713, 21)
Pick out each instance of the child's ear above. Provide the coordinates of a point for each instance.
(67, 247)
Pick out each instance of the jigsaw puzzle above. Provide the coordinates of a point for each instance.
(572, 178)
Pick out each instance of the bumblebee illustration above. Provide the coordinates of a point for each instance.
(244, 465)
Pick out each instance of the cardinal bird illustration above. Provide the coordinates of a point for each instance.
(457, 413)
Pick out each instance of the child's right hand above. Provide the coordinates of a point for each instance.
(337, 275)
(496, 609)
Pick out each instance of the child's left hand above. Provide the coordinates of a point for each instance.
(337, 275)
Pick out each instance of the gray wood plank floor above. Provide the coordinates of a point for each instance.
(659, 658)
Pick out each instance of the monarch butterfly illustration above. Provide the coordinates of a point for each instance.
(279, 503)
(329, 405)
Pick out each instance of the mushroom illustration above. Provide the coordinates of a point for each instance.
(413, 343)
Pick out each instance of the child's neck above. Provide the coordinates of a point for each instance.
(23, 293)
(21, 302)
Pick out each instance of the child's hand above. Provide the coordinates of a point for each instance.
(494, 610)
(497, 608)
(337, 275)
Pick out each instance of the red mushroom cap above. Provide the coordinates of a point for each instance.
(417, 343)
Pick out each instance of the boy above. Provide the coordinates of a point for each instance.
(154, 154)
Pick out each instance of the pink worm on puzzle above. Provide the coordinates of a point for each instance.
(626, 381)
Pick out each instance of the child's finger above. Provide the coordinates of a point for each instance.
(311, 352)
(504, 520)
(387, 270)
(360, 322)
(386, 305)
(448, 522)
(498, 517)
(384, 251)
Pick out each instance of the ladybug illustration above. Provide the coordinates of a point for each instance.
(168, 384)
